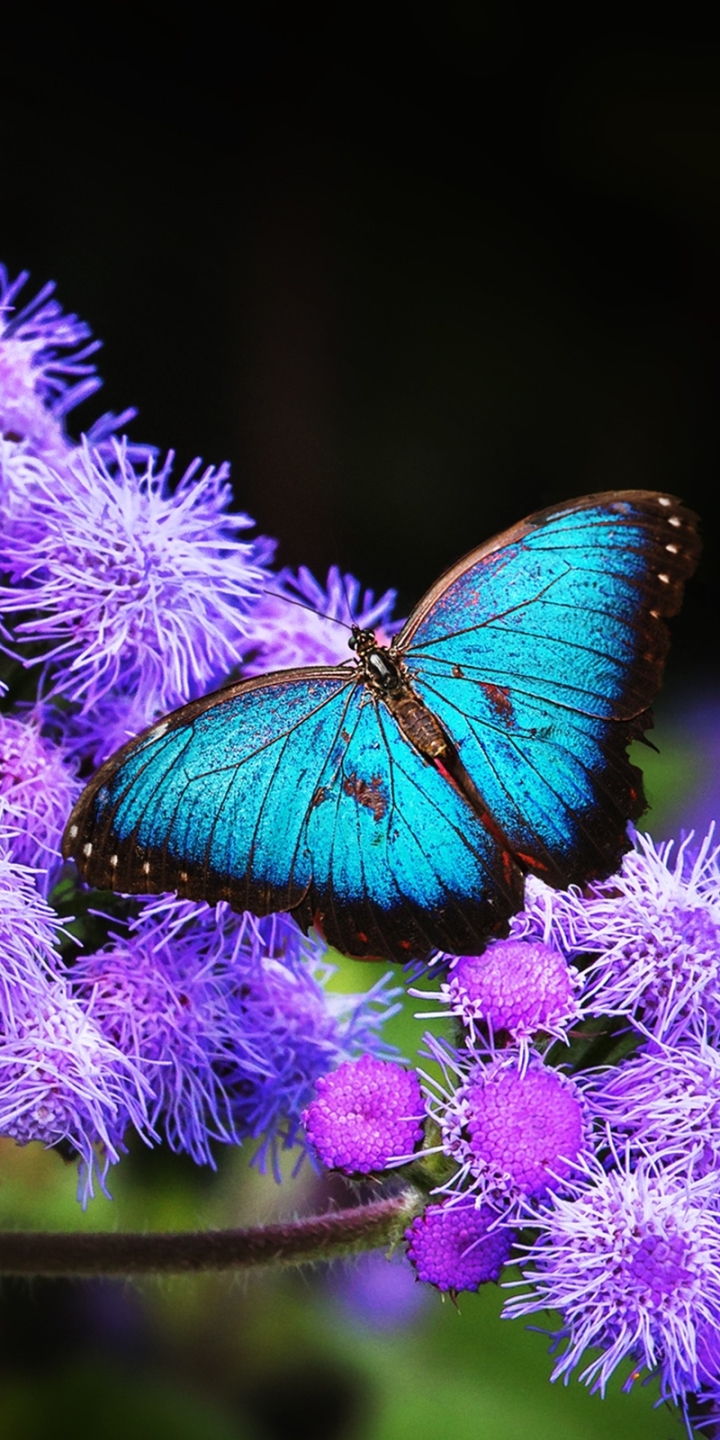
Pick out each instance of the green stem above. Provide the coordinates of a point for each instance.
(297, 1242)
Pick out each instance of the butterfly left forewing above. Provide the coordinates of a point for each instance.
(211, 801)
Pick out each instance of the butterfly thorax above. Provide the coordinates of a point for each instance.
(386, 679)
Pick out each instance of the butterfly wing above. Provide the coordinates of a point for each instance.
(296, 791)
(540, 653)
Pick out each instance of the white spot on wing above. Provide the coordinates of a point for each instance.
(665, 579)
(113, 861)
(146, 867)
(663, 500)
(73, 831)
(87, 849)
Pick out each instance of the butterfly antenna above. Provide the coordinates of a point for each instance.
(305, 605)
(348, 605)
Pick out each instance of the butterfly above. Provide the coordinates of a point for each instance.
(398, 801)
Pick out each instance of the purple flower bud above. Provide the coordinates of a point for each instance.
(366, 1116)
(522, 987)
(454, 1247)
(512, 1131)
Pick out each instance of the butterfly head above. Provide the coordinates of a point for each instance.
(362, 641)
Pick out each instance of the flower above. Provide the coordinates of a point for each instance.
(62, 1080)
(454, 1247)
(227, 1018)
(302, 1028)
(367, 1115)
(30, 932)
(37, 793)
(511, 1130)
(519, 988)
(662, 1100)
(654, 929)
(133, 590)
(297, 622)
(45, 367)
(163, 999)
(631, 1259)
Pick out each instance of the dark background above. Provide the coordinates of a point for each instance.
(415, 270)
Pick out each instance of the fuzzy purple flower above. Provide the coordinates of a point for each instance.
(45, 367)
(30, 932)
(37, 792)
(298, 622)
(454, 1247)
(511, 1130)
(134, 590)
(302, 1028)
(662, 1100)
(62, 1080)
(654, 929)
(366, 1116)
(631, 1259)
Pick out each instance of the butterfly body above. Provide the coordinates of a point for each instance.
(398, 802)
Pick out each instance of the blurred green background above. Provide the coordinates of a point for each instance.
(416, 270)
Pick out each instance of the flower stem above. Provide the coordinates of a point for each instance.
(297, 1242)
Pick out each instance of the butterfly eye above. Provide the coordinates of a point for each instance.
(361, 640)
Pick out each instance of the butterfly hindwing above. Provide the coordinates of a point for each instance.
(540, 654)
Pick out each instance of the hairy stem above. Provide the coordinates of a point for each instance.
(297, 1242)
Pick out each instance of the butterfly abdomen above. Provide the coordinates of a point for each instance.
(419, 725)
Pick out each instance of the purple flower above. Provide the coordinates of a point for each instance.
(654, 929)
(87, 737)
(62, 1080)
(29, 935)
(37, 792)
(512, 1131)
(631, 1259)
(163, 999)
(663, 1100)
(518, 988)
(367, 1115)
(228, 1019)
(302, 1028)
(455, 1247)
(133, 589)
(45, 367)
(297, 622)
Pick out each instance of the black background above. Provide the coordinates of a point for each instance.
(415, 270)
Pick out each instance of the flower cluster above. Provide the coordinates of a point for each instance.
(126, 593)
(612, 1168)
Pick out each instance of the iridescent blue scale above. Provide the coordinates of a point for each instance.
(398, 802)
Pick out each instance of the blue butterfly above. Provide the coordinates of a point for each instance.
(398, 801)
